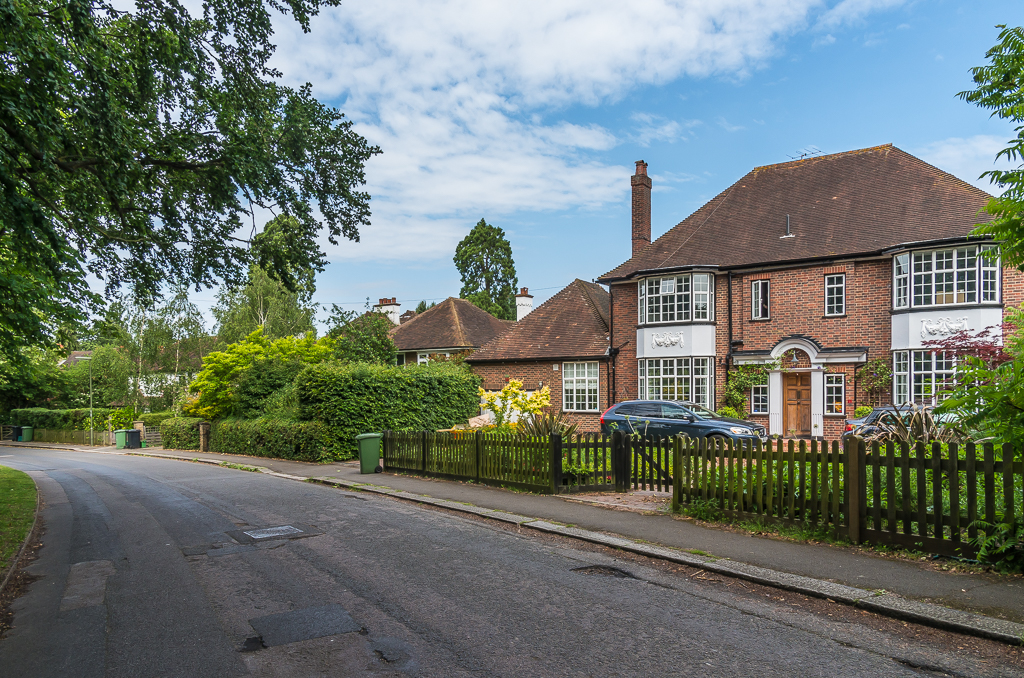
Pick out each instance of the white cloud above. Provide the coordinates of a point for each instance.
(967, 158)
(852, 11)
(729, 127)
(465, 97)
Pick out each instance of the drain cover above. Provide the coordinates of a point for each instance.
(261, 534)
(269, 532)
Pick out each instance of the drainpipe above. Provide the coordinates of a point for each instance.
(611, 353)
(728, 355)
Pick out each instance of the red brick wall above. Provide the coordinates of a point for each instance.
(536, 375)
(624, 321)
(1013, 287)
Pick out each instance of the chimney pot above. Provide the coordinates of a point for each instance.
(641, 184)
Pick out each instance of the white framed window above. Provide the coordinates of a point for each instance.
(759, 399)
(835, 393)
(922, 376)
(946, 277)
(835, 294)
(423, 358)
(687, 379)
(759, 300)
(901, 281)
(901, 377)
(580, 387)
(678, 298)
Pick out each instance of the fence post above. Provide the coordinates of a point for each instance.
(385, 448)
(556, 462)
(620, 461)
(677, 472)
(424, 459)
(478, 446)
(853, 447)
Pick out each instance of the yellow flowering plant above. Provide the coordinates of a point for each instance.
(513, 399)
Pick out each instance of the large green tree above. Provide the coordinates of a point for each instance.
(484, 260)
(138, 145)
(264, 302)
(1000, 89)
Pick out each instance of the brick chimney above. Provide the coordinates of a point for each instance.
(641, 184)
(524, 303)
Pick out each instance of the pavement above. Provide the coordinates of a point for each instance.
(981, 604)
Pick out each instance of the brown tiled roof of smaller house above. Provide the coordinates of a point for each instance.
(571, 324)
(845, 204)
(454, 323)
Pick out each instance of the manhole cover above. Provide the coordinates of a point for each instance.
(604, 571)
(268, 532)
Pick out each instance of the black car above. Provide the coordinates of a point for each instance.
(667, 417)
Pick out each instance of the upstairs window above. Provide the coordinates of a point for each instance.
(679, 298)
(835, 294)
(946, 277)
(759, 300)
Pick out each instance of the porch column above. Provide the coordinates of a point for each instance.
(817, 401)
(775, 403)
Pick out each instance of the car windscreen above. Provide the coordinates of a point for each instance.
(702, 412)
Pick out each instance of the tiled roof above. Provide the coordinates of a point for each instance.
(571, 324)
(852, 203)
(454, 323)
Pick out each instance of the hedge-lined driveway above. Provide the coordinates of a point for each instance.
(155, 567)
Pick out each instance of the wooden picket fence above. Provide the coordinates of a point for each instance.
(923, 497)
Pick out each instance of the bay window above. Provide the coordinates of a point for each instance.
(679, 298)
(921, 376)
(946, 277)
(686, 379)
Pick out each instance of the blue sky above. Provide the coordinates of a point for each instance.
(531, 115)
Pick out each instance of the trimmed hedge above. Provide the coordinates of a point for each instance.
(359, 398)
(272, 437)
(155, 419)
(59, 420)
(180, 433)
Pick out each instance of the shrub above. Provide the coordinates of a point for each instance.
(272, 437)
(60, 420)
(154, 419)
(260, 381)
(122, 418)
(180, 433)
(359, 398)
(727, 411)
(862, 411)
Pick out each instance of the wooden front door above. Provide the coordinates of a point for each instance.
(796, 421)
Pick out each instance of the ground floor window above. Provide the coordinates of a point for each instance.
(677, 379)
(580, 386)
(759, 399)
(422, 358)
(921, 376)
(835, 393)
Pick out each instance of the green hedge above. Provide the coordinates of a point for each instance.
(60, 420)
(180, 433)
(359, 398)
(272, 437)
(155, 418)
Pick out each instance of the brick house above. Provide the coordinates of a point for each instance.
(452, 327)
(562, 344)
(812, 267)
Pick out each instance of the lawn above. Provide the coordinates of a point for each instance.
(17, 509)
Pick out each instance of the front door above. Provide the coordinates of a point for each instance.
(796, 421)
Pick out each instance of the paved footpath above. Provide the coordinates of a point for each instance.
(767, 560)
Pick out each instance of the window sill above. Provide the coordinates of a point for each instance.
(840, 315)
(759, 320)
(841, 415)
(945, 307)
(673, 323)
(581, 411)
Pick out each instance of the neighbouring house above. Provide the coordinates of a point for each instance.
(811, 268)
(453, 327)
(562, 344)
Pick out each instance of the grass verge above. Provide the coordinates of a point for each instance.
(17, 510)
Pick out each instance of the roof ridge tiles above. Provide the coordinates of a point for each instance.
(827, 156)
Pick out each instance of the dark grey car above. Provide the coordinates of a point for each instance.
(668, 417)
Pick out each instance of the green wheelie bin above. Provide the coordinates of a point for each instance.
(369, 452)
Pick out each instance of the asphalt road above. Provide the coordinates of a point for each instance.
(147, 570)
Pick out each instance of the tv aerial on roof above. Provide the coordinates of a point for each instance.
(806, 153)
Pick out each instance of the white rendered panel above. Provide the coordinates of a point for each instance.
(675, 341)
(911, 330)
(817, 402)
(775, 402)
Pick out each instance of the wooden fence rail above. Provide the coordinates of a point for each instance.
(922, 497)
